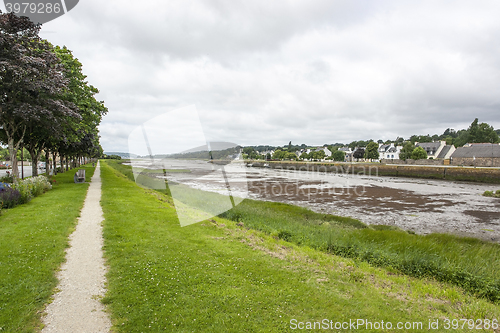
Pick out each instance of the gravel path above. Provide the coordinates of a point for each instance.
(76, 306)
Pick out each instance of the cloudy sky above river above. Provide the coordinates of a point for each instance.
(267, 72)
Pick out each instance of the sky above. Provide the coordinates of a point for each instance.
(270, 72)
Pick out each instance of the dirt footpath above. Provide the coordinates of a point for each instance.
(76, 306)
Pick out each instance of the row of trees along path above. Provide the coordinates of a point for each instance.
(45, 102)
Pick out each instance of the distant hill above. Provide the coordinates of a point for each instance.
(122, 155)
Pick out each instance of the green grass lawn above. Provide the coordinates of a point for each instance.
(33, 238)
(470, 263)
(216, 276)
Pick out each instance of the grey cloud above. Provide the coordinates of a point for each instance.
(270, 72)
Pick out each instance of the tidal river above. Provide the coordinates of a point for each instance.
(421, 205)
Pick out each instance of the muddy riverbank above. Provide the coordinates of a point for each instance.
(420, 205)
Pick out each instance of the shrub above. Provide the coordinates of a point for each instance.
(24, 190)
(7, 179)
(32, 187)
(491, 194)
(9, 197)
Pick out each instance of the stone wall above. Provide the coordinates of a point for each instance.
(479, 162)
(414, 162)
(487, 175)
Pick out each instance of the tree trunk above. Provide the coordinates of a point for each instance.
(13, 158)
(35, 156)
(10, 130)
(61, 161)
(54, 163)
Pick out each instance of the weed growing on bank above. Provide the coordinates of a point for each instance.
(492, 194)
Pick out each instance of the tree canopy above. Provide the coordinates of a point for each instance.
(371, 151)
(419, 153)
(45, 102)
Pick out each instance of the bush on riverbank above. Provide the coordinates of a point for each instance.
(491, 194)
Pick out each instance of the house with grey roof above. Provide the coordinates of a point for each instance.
(389, 152)
(477, 154)
(446, 152)
(348, 153)
(433, 149)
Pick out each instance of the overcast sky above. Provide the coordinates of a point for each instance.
(267, 72)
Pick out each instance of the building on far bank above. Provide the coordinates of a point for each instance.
(477, 154)
(348, 153)
(389, 152)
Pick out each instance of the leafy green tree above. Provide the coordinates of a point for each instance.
(371, 151)
(338, 155)
(419, 153)
(406, 151)
(31, 82)
(79, 138)
(304, 156)
(279, 154)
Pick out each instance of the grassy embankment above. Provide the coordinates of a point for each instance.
(216, 276)
(469, 263)
(33, 238)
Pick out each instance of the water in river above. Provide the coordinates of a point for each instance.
(420, 205)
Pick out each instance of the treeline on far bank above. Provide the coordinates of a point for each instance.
(46, 104)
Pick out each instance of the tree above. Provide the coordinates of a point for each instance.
(406, 151)
(279, 154)
(79, 138)
(359, 153)
(371, 151)
(290, 156)
(419, 153)
(338, 155)
(304, 156)
(31, 81)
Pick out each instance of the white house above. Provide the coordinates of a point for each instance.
(389, 152)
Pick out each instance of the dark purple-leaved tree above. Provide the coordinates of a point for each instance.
(31, 83)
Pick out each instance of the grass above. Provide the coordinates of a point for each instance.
(217, 276)
(33, 238)
(469, 263)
